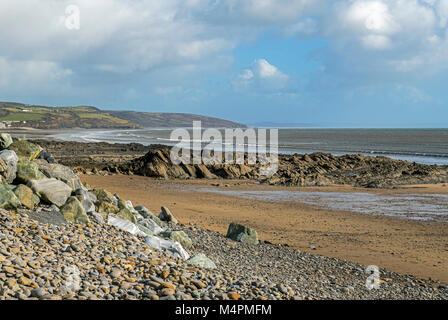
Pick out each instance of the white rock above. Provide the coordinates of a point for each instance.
(73, 280)
(124, 225)
(96, 216)
(10, 158)
(129, 204)
(151, 225)
(173, 247)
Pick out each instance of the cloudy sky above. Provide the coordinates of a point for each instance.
(356, 63)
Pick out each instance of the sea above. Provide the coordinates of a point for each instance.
(426, 146)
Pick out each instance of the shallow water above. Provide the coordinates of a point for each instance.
(429, 207)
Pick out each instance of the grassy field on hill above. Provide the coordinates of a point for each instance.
(60, 117)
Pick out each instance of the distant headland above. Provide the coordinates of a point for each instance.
(19, 115)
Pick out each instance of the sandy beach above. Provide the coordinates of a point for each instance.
(409, 247)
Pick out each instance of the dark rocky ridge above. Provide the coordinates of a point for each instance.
(316, 169)
(96, 155)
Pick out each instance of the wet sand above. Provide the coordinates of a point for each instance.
(419, 248)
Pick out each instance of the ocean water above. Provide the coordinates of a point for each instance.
(428, 146)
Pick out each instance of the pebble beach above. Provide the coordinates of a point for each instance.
(62, 239)
(68, 261)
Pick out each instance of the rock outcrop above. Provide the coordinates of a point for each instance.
(317, 169)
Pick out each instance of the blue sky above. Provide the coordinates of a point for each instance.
(343, 63)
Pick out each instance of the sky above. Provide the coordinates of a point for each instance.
(338, 63)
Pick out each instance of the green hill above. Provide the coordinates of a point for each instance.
(41, 117)
(21, 115)
(164, 120)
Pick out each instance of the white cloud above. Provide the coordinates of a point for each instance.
(374, 41)
(262, 76)
(442, 11)
(254, 12)
(371, 40)
(265, 70)
(19, 75)
(307, 26)
(114, 35)
(367, 39)
(246, 74)
(371, 16)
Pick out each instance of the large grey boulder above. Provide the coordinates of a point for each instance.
(144, 229)
(105, 208)
(145, 213)
(47, 156)
(151, 225)
(8, 165)
(25, 150)
(51, 190)
(5, 140)
(173, 247)
(178, 236)
(8, 199)
(104, 196)
(127, 214)
(241, 233)
(166, 215)
(201, 260)
(83, 194)
(26, 196)
(60, 172)
(96, 217)
(87, 199)
(73, 211)
(27, 171)
(88, 205)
